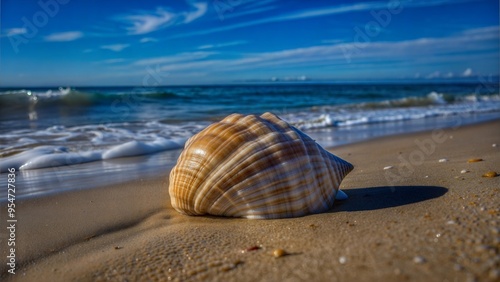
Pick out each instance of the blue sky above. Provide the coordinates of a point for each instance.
(86, 43)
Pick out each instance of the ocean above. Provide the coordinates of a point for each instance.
(61, 139)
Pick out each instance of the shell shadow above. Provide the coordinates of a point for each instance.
(374, 198)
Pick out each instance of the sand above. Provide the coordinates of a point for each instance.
(421, 220)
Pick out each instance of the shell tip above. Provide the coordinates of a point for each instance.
(341, 195)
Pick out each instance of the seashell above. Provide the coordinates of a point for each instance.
(277, 253)
(474, 160)
(257, 167)
(490, 174)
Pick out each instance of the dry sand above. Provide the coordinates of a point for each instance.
(421, 220)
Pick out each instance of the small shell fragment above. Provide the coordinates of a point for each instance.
(250, 249)
(388, 167)
(464, 171)
(279, 253)
(493, 145)
(419, 260)
(490, 174)
(474, 160)
(443, 160)
(342, 260)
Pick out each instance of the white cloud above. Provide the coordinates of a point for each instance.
(332, 41)
(147, 22)
(113, 61)
(115, 47)
(201, 9)
(246, 12)
(260, 3)
(178, 58)
(421, 53)
(148, 39)
(324, 11)
(435, 74)
(234, 9)
(64, 36)
(220, 45)
(467, 72)
(16, 31)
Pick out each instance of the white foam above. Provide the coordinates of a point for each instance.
(437, 98)
(26, 156)
(136, 148)
(350, 116)
(54, 156)
(62, 159)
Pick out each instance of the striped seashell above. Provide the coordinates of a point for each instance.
(255, 167)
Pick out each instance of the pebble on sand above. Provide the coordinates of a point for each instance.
(464, 171)
(388, 167)
(419, 259)
(443, 160)
(279, 253)
(490, 174)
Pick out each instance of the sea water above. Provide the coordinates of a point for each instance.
(81, 137)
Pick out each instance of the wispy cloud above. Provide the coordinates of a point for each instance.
(467, 72)
(332, 41)
(115, 47)
(148, 39)
(249, 12)
(15, 31)
(113, 61)
(324, 11)
(200, 10)
(149, 21)
(425, 52)
(146, 23)
(64, 36)
(220, 45)
(234, 9)
(436, 74)
(178, 58)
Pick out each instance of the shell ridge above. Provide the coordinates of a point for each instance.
(207, 190)
(272, 175)
(226, 170)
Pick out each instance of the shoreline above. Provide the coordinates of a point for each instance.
(422, 218)
(62, 179)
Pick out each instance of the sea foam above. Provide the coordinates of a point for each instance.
(53, 156)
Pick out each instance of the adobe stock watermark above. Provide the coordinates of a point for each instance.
(425, 148)
(486, 83)
(48, 9)
(123, 107)
(224, 6)
(381, 19)
(128, 103)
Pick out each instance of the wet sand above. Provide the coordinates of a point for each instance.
(421, 220)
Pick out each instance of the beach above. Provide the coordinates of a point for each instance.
(412, 215)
